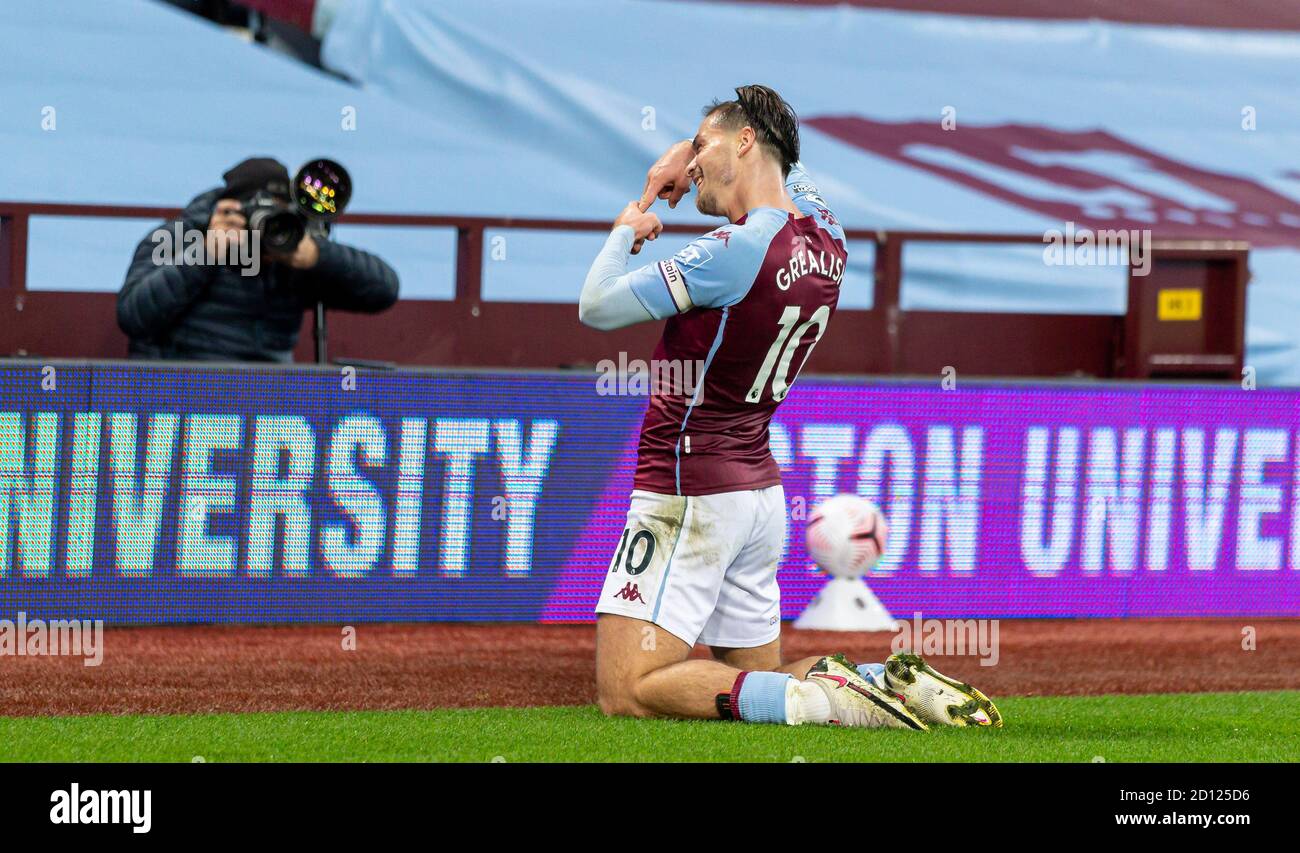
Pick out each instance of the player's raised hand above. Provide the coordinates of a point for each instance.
(646, 225)
(667, 178)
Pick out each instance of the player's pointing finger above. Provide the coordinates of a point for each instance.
(648, 197)
(677, 193)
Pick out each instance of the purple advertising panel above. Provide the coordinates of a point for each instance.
(1024, 500)
(225, 494)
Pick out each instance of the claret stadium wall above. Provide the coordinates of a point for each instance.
(168, 493)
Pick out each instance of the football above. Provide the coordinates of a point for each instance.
(846, 535)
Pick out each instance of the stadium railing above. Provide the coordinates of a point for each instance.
(886, 339)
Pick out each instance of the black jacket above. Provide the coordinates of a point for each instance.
(215, 313)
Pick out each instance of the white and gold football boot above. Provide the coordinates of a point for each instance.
(936, 698)
(855, 701)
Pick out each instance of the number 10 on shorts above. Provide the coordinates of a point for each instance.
(636, 554)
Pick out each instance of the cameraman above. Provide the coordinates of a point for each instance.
(176, 304)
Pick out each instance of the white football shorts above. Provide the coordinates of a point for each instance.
(702, 567)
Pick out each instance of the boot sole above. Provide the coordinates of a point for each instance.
(900, 667)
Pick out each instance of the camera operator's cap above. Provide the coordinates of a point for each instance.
(254, 174)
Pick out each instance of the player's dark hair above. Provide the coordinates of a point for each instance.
(774, 121)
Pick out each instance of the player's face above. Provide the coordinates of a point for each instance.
(713, 169)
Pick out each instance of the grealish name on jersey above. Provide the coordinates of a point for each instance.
(802, 262)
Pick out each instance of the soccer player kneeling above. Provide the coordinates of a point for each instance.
(697, 561)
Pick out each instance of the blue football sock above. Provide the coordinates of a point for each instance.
(761, 697)
(875, 673)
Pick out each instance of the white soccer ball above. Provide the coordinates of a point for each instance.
(846, 535)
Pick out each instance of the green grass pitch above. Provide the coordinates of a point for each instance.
(1166, 727)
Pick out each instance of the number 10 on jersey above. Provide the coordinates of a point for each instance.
(785, 345)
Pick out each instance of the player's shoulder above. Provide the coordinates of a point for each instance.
(733, 246)
(752, 235)
(761, 225)
(719, 267)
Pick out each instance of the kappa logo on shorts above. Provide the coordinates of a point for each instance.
(630, 592)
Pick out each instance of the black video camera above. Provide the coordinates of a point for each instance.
(321, 189)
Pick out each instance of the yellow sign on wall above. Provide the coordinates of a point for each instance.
(1178, 304)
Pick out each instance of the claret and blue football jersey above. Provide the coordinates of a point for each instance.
(747, 303)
